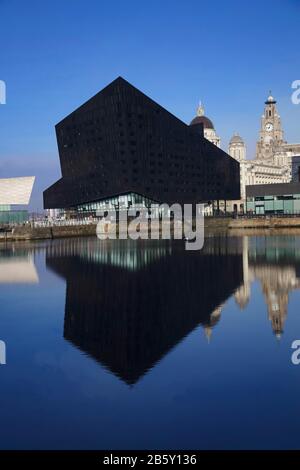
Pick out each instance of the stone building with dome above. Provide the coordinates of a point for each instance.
(207, 125)
(273, 158)
(207, 129)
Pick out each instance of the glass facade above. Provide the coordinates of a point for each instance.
(120, 203)
(117, 203)
(13, 217)
(264, 205)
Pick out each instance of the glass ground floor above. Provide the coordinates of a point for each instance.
(122, 203)
(117, 203)
(9, 216)
(264, 205)
(13, 217)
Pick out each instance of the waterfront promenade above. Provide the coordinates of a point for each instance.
(81, 228)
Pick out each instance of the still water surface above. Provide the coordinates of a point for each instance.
(127, 345)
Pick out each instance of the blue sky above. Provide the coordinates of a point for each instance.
(56, 54)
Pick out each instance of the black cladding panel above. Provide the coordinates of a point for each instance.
(276, 189)
(121, 141)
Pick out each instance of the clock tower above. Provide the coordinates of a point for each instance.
(271, 133)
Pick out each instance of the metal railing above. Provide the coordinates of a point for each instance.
(63, 222)
(94, 220)
(269, 216)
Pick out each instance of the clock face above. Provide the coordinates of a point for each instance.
(269, 127)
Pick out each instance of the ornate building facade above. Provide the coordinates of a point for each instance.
(273, 158)
(209, 131)
(210, 134)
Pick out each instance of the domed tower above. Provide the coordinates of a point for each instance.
(205, 124)
(237, 148)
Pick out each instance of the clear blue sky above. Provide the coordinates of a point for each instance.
(56, 54)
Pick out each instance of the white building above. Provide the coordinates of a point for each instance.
(15, 192)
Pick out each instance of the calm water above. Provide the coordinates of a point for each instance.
(144, 345)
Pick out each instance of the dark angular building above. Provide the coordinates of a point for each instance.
(121, 143)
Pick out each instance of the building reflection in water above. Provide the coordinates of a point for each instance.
(17, 266)
(129, 303)
(274, 261)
